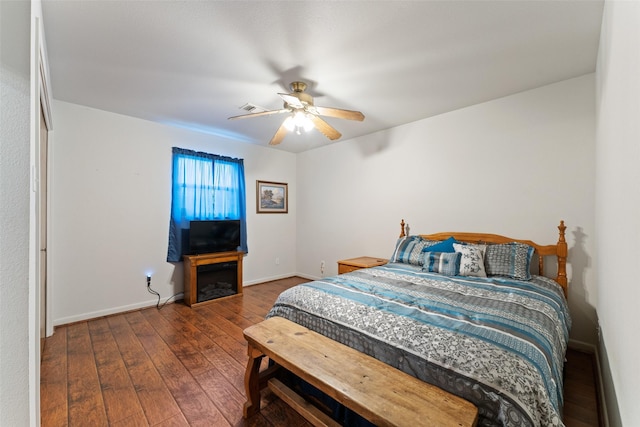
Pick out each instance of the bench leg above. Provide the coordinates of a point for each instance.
(252, 382)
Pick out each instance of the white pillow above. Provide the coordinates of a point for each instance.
(471, 259)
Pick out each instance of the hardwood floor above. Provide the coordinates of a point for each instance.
(581, 408)
(185, 367)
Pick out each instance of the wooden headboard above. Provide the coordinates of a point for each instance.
(559, 250)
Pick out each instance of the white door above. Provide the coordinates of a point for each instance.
(42, 191)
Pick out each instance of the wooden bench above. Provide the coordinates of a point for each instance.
(380, 393)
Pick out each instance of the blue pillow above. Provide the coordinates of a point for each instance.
(444, 246)
(446, 263)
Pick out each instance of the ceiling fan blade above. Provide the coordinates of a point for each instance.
(279, 135)
(340, 114)
(324, 127)
(261, 113)
(292, 100)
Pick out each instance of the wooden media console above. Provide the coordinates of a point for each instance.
(225, 271)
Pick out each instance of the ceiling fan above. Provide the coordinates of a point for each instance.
(303, 114)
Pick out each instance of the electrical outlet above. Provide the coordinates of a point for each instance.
(321, 267)
(277, 261)
(148, 280)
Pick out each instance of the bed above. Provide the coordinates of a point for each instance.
(498, 341)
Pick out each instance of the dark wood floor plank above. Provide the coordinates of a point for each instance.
(200, 321)
(53, 382)
(194, 326)
(86, 406)
(179, 342)
(280, 414)
(176, 421)
(194, 403)
(578, 415)
(186, 367)
(263, 295)
(155, 398)
(136, 420)
(232, 339)
(230, 367)
(227, 311)
(245, 310)
(237, 350)
(580, 392)
(259, 302)
(230, 329)
(220, 390)
(119, 395)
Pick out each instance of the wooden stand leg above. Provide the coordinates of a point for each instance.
(252, 382)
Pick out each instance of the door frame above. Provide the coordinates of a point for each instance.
(45, 110)
(40, 100)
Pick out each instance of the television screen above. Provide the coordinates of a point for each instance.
(214, 236)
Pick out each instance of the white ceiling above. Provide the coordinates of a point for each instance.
(194, 63)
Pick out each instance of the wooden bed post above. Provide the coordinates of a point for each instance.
(562, 259)
(402, 228)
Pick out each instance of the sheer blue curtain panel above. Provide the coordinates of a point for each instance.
(205, 187)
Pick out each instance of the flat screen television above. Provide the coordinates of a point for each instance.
(214, 236)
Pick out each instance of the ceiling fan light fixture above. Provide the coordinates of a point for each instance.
(299, 118)
(302, 114)
(289, 124)
(297, 121)
(307, 124)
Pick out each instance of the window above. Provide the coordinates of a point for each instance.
(205, 186)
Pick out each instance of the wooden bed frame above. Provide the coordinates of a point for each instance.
(296, 348)
(559, 250)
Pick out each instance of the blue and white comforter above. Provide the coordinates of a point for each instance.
(499, 343)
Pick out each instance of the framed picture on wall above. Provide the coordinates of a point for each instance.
(272, 197)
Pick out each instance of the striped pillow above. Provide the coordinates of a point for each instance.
(446, 263)
(409, 250)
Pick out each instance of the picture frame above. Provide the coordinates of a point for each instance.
(272, 197)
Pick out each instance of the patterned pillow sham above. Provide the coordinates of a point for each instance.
(509, 259)
(446, 263)
(471, 259)
(408, 250)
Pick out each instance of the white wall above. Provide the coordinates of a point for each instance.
(618, 205)
(110, 205)
(15, 33)
(513, 166)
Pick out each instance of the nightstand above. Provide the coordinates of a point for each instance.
(352, 264)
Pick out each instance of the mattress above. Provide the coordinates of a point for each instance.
(497, 342)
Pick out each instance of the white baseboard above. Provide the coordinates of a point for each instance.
(101, 313)
(308, 276)
(281, 276)
(266, 279)
(145, 304)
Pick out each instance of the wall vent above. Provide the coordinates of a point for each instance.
(252, 108)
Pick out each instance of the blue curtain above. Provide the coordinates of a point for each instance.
(205, 186)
